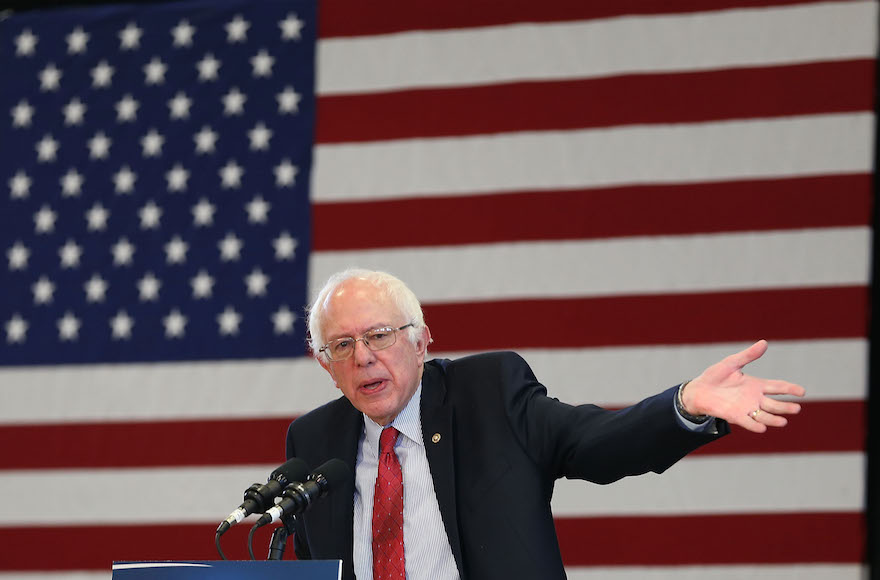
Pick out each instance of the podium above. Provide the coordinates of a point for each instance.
(229, 570)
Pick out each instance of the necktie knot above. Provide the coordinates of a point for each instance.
(387, 440)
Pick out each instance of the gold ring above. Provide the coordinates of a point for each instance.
(754, 414)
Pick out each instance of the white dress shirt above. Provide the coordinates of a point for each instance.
(426, 546)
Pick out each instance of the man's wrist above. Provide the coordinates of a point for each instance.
(679, 406)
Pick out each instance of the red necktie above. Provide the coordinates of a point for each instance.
(388, 559)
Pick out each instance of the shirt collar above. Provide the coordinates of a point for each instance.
(408, 422)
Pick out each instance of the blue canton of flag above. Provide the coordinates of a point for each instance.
(156, 163)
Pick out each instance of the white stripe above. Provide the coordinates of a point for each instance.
(737, 483)
(752, 572)
(748, 37)
(642, 265)
(838, 143)
(801, 482)
(829, 369)
(730, 572)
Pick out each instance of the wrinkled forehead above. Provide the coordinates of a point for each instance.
(356, 306)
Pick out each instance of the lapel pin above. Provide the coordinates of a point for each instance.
(435, 438)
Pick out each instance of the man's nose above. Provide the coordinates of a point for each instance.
(362, 354)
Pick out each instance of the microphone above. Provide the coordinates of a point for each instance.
(259, 497)
(298, 497)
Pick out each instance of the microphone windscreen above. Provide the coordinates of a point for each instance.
(335, 472)
(294, 469)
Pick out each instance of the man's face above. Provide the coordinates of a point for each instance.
(378, 383)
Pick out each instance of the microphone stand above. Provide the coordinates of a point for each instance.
(279, 538)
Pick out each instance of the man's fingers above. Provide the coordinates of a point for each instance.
(748, 423)
(744, 357)
(770, 419)
(783, 388)
(780, 407)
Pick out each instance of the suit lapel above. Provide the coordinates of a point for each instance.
(437, 433)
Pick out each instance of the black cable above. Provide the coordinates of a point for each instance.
(219, 549)
(250, 542)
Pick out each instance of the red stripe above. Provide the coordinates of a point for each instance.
(781, 538)
(826, 87)
(822, 426)
(645, 210)
(633, 541)
(801, 313)
(353, 18)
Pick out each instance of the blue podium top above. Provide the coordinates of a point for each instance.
(228, 570)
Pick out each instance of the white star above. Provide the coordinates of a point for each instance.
(285, 247)
(230, 174)
(283, 320)
(22, 113)
(74, 112)
(99, 146)
(203, 213)
(123, 251)
(44, 220)
(16, 329)
(47, 148)
(206, 139)
(233, 102)
(262, 64)
(291, 27)
(208, 68)
(152, 143)
(121, 324)
(230, 248)
(288, 101)
(25, 43)
(285, 173)
(148, 287)
(258, 210)
(44, 291)
(259, 137)
(130, 37)
(183, 33)
(179, 106)
(102, 75)
(256, 283)
(77, 40)
(202, 285)
(150, 215)
(50, 78)
(20, 185)
(177, 178)
(155, 71)
(175, 250)
(96, 288)
(70, 253)
(175, 324)
(97, 218)
(71, 183)
(126, 109)
(236, 29)
(68, 327)
(124, 179)
(228, 320)
(18, 256)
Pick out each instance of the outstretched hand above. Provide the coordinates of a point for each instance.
(724, 391)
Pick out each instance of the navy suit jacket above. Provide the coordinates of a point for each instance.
(503, 443)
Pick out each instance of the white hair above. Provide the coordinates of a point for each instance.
(393, 288)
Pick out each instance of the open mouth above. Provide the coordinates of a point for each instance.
(373, 385)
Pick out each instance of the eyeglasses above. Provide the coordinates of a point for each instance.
(376, 339)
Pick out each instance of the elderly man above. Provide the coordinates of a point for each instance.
(454, 461)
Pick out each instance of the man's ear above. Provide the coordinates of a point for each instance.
(422, 343)
(325, 364)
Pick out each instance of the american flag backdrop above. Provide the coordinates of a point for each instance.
(623, 192)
